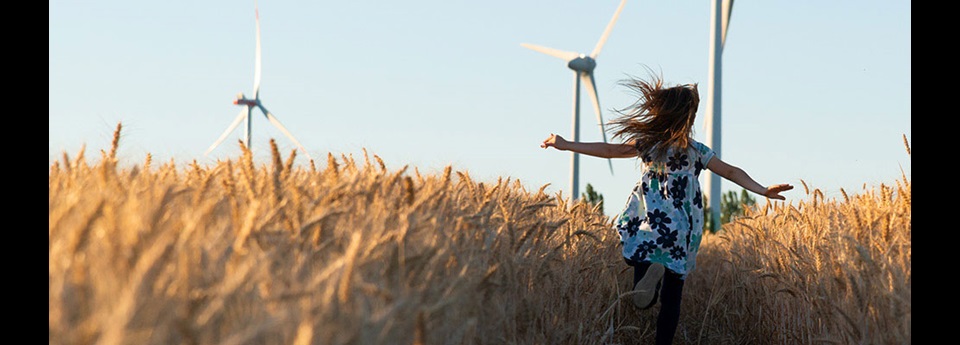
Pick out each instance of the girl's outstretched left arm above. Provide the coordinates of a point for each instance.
(598, 149)
(736, 175)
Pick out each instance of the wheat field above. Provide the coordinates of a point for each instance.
(354, 252)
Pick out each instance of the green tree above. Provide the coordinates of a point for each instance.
(592, 197)
(731, 206)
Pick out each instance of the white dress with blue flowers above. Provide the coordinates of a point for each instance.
(662, 220)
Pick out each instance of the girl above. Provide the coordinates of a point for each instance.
(661, 224)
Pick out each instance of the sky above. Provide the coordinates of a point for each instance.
(814, 92)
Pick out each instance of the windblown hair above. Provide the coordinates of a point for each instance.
(662, 117)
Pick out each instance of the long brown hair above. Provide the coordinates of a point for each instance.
(662, 117)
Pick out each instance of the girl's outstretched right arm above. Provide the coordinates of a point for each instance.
(740, 177)
(598, 149)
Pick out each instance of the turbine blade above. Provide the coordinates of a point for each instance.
(565, 55)
(606, 32)
(591, 86)
(707, 122)
(236, 122)
(727, 8)
(275, 122)
(256, 71)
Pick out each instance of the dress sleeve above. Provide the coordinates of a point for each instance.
(704, 151)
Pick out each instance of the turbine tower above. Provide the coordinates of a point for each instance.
(719, 20)
(582, 66)
(248, 104)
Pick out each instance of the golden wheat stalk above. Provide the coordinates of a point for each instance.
(116, 141)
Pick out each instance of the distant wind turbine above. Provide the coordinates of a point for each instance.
(582, 66)
(719, 20)
(249, 103)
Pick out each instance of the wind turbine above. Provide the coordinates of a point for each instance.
(249, 104)
(719, 20)
(582, 66)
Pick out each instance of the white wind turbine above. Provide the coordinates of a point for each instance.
(719, 20)
(582, 66)
(249, 103)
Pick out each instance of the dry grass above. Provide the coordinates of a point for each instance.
(359, 253)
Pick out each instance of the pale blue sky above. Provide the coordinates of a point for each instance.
(812, 90)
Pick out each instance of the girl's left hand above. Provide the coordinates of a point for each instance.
(773, 192)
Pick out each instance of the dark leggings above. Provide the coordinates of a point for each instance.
(670, 293)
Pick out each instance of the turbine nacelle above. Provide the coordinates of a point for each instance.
(582, 63)
(243, 100)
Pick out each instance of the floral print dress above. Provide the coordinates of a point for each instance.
(662, 220)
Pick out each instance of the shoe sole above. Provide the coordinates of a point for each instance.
(646, 288)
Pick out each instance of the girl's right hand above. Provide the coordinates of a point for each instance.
(554, 141)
